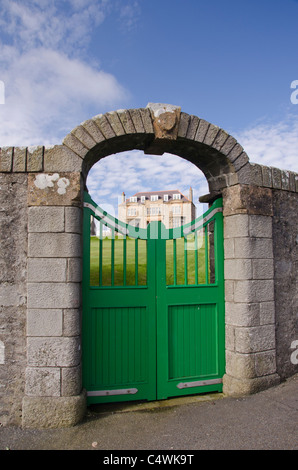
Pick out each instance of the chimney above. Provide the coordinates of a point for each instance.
(190, 195)
(123, 197)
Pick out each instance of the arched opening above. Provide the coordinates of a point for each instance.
(135, 327)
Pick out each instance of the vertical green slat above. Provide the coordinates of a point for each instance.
(100, 253)
(136, 262)
(196, 259)
(124, 260)
(185, 261)
(175, 261)
(112, 257)
(206, 256)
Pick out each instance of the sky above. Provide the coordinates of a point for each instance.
(233, 63)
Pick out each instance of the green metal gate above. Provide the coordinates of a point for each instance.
(153, 308)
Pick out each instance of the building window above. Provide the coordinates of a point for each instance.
(176, 196)
(143, 198)
(133, 199)
(154, 197)
(153, 210)
(131, 211)
(176, 209)
(166, 197)
(178, 221)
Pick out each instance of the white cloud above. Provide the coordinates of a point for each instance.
(134, 171)
(273, 144)
(49, 87)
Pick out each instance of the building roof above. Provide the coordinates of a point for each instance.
(169, 192)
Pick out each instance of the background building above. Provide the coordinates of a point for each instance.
(171, 207)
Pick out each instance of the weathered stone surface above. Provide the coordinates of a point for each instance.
(59, 158)
(83, 136)
(74, 270)
(184, 124)
(44, 322)
(43, 382)
(126, 121)
(253, 248)
(201, 130)
(54, 295)
(71, 381)
(146, 120)
(74, 144)
(262, 268)
(56, 189)
(19, 159)
(35, 158)
(260, 226)
(236, 226)
(247, 199)
(54, 245)
(234, 386)
(13, 292)
(92, 129)
(211, 134)
(255, 339)
(53, 352)
(137, 120)
(53, 412)
(241, 365)
(192, 127)
(253, 290)
(73, 219)
(47, 270)
(104, 126)
(72, 322)
(266, 176)
(276, 178)
(238, 269)
(220, 140)
(285, 249)
(166, 120)
(6, 154)
(242, 314)
(45, 219)
(115, 123)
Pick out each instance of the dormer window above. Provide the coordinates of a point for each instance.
(143, 198)
(176, 196)
(166, 197)
(133, 199)
(154, 197)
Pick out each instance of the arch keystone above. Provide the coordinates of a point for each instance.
(166, 118)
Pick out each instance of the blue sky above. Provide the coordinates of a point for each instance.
(230, 62)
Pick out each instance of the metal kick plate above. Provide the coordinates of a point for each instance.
(104, 393)
(199, 383)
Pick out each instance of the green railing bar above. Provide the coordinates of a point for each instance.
(100, 254)
(196, 259)
(124, 260)
(112, 256)
(185, 261)
(136, 261)
(206, 256)
(175, 261)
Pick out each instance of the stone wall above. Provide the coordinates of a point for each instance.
(285, 249)
(13, 294)
(41, 258)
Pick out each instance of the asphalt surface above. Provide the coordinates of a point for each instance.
(265, 421)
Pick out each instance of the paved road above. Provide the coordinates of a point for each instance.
(267, 420)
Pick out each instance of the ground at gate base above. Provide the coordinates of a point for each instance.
(267, 420)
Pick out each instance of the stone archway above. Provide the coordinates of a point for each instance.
(247, 209)
(162, 128)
